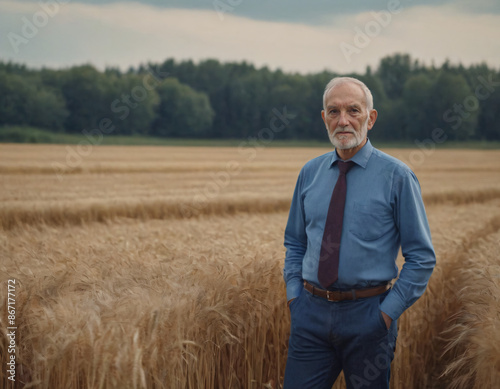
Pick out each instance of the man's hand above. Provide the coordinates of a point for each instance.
(387, 319)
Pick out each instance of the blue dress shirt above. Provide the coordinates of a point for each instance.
(383, 212)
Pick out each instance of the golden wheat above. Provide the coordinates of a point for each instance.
(131, 276)
(473, 338)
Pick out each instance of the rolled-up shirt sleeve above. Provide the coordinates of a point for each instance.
(416, 245)
(295, 242)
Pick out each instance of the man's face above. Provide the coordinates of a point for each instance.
(346, 117)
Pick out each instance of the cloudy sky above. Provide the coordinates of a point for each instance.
(294, 35)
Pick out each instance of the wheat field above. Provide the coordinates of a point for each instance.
(161, 267)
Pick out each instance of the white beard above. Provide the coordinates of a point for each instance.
(345, 142)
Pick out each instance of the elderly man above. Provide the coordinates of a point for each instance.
(352, 209)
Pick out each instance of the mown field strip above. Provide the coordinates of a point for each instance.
(120, 168)
(37, 188)
(16, 214)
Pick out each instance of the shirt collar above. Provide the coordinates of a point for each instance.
(360, 158)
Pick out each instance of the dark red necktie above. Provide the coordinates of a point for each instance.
(328, 270)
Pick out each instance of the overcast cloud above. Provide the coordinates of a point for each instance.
(280, 34)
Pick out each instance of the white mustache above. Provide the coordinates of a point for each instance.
(343, 129)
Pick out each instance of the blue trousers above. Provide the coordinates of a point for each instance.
(328, 337)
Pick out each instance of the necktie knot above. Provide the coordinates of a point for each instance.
(344, 167)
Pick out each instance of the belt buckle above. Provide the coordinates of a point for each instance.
(328, 295)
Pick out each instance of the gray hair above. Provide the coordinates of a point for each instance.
(343, 80)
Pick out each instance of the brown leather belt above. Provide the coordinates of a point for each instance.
(353, 294)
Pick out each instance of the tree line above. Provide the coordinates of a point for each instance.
(211, 99)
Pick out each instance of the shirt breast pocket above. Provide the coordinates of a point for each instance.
(371, 221)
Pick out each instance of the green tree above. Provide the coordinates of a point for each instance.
(314, 127)
(449, 107)
(292, 92)
(26, 101)
(84, 89)
(482, 81)
(182, 111)
(390, 124)
(237, 100)
(47, 109)
(131, 102)
(393, 71)
(14, 99)
(418, 112)
(488, 127)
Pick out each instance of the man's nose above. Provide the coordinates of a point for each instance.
(343, 122)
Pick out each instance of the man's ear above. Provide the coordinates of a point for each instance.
(372, 118)
(323, 116)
